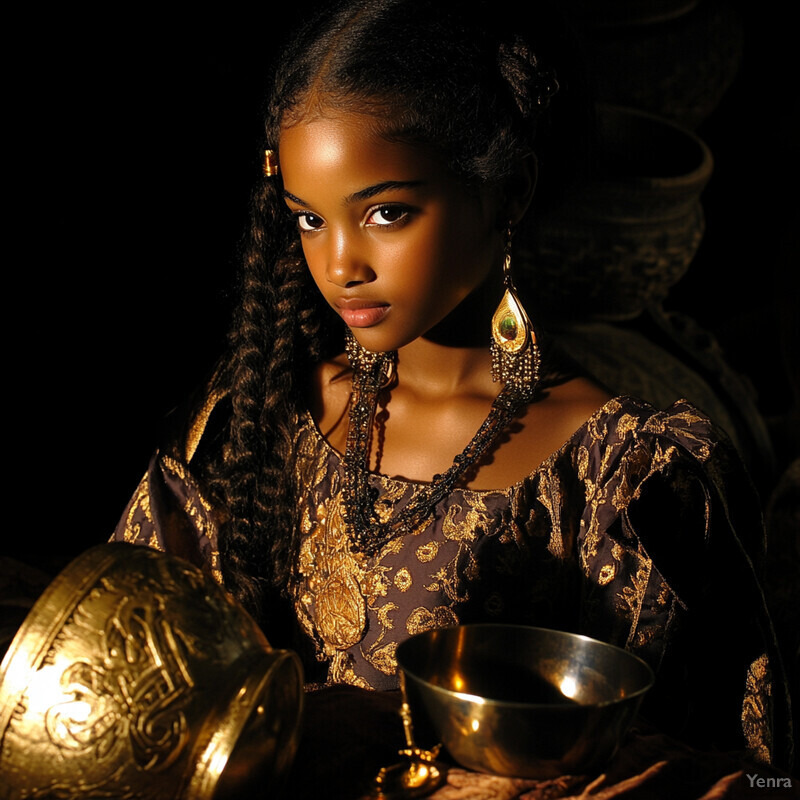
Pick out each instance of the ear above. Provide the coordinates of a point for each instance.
(519, 189)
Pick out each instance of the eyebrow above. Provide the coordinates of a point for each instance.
(363, 194)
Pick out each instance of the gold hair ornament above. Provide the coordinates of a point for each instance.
(271, 167)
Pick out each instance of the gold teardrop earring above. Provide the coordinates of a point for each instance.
(516, 359)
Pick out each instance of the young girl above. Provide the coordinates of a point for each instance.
(391, 446)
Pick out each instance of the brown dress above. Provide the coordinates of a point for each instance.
(624, 534)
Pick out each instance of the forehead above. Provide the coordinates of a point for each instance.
(351, 148)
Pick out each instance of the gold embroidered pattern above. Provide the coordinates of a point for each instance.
(427, 619)
(582, 463)
(138, 507)
(376, 582)
(198, 510)
(384, 659)
(757, 710)
(427, 552)
(633, 595)
(342, 671)
(139, 525)
(403, 580)
(334, 600)
(606, 574)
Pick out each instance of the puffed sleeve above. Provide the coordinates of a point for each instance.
(170, 512)
(668, 545)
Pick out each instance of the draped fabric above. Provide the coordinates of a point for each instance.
(626, 534)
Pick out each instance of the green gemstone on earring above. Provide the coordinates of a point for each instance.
(508, 328)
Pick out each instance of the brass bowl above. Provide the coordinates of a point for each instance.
(136, 676)
(520, 701)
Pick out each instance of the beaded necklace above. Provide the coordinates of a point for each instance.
(371, 373)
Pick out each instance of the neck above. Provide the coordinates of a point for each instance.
(433, 370)
(453, 357)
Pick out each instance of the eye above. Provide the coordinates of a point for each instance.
(387, 215)
(309, 222)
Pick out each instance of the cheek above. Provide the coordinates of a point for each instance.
(470, 243)
(314, 264)
(466, 259)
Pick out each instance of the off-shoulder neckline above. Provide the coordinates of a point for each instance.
(610, 406)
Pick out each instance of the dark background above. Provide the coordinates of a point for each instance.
(134, 142)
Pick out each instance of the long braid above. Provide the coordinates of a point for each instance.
(272, 339)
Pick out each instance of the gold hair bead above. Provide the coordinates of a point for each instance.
(271, 167)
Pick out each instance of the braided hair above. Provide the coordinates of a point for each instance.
(430, 72)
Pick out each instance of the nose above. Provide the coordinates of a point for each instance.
(348, 264)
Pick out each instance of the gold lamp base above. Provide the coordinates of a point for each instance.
(418, 775)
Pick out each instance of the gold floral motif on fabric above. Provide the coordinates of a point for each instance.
(582, 463)
(606, 575)
(686, 423)
(403, 580)
(757, 710)
(334, 600)
(633, 594)
(376, 582)
(427, 619)
(551, 497)
(139, 506)
(594, 532)
(427, 552)
(339, 610)
(384, 659)
(342, 671)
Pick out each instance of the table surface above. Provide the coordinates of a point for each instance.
(349, 734)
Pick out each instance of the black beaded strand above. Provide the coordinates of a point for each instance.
(372, 372)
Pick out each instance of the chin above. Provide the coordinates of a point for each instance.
(380, 341)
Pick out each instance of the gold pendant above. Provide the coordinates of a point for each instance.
(511, 327)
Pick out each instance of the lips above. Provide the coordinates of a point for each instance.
(358, 313)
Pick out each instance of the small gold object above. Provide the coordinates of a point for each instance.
(510, 324)
(134, 675)
(516, 360)
(418, 775)
(271, 167)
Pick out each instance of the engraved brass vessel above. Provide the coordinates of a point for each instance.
(136, 676)
(520, 701)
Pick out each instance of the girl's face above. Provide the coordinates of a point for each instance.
(393, 240)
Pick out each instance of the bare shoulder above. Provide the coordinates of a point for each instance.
(544, 429)
(571, 404)
(562, 410)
